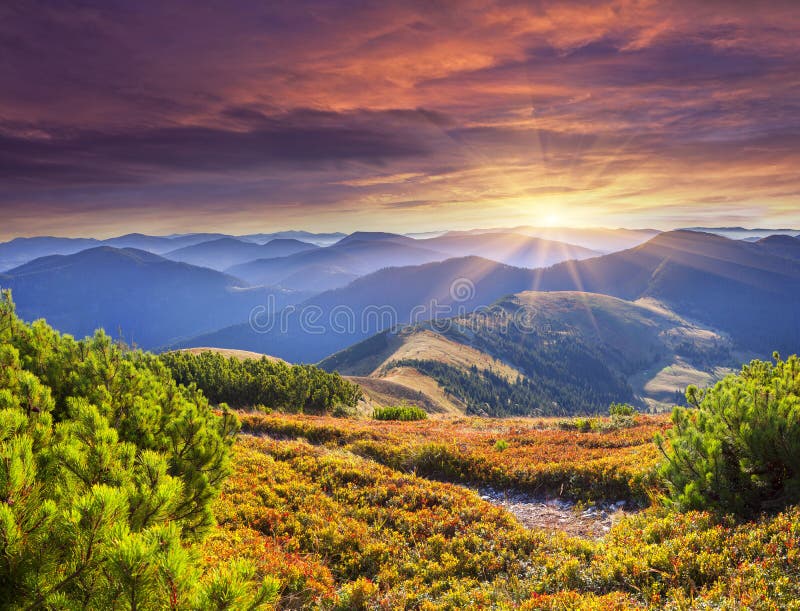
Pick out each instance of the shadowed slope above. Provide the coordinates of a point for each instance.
(738, 287)
(143, 297)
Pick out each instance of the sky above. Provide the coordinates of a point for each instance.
(243, 116)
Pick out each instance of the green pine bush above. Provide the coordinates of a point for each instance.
(275, 384)
(737, 449)
(107, 473)
(623, 415)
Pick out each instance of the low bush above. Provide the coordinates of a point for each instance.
(623, 415)
(617, 464)
(501, 445)
(737, 449)
(581, 424)
(400, 412)
(342, 532)
(274, 384)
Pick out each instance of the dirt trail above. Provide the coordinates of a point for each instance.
(558, 515)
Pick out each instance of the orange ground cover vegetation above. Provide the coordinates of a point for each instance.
(537, 456)
(343, 526)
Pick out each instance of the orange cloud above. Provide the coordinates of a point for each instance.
(328, 115)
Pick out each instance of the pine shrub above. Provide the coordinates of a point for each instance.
(107, 473)
(737, 448)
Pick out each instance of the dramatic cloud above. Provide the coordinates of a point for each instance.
(182, 115)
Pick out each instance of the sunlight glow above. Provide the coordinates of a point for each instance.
(551, 219)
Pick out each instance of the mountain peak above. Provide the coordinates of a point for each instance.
(289, 242)
(372, 235)
(779, 239)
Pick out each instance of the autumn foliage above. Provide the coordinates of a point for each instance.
(538, 457)
(346, 527)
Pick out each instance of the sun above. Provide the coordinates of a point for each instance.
(551, 219)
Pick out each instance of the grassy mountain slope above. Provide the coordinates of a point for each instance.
(573, 351)
(230, 352)
(377, 359)
(375, 356)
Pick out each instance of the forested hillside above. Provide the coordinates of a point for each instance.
(487, 393)
(548, 354)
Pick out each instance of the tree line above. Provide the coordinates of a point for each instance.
(487, 393)
(263, 382)
(564, 375)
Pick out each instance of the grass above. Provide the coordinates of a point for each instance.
(230, 352)
(373, 359)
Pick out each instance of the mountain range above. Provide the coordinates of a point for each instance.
(362, 253)
(22, 250)
(337, 318)
(133, 294)
(616, 314)
(226, 252)
(750, 290)
(97, 285)
(742, 289)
